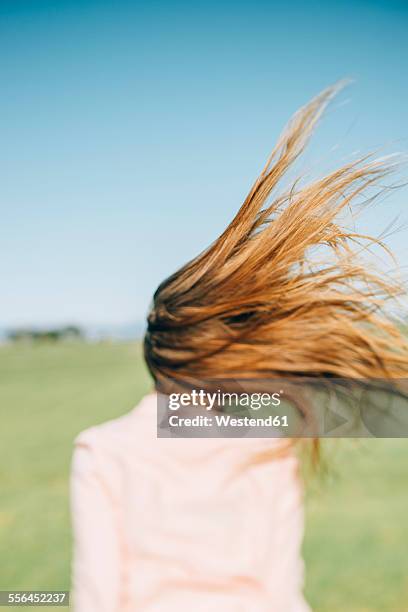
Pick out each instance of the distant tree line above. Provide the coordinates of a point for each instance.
(55, 334)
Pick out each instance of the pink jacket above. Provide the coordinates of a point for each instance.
(173, 525)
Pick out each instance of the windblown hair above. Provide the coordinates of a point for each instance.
(260, 303)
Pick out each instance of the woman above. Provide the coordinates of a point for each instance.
(215, 524)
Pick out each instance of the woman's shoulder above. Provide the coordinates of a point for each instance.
(118, 432)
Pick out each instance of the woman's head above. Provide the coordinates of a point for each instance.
(283, 291)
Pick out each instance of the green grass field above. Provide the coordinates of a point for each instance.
(356, 544)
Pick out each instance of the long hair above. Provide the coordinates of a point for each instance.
(261, 302)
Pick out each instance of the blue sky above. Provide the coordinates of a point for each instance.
(130, 133)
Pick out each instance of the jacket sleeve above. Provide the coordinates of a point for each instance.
(96, 566)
